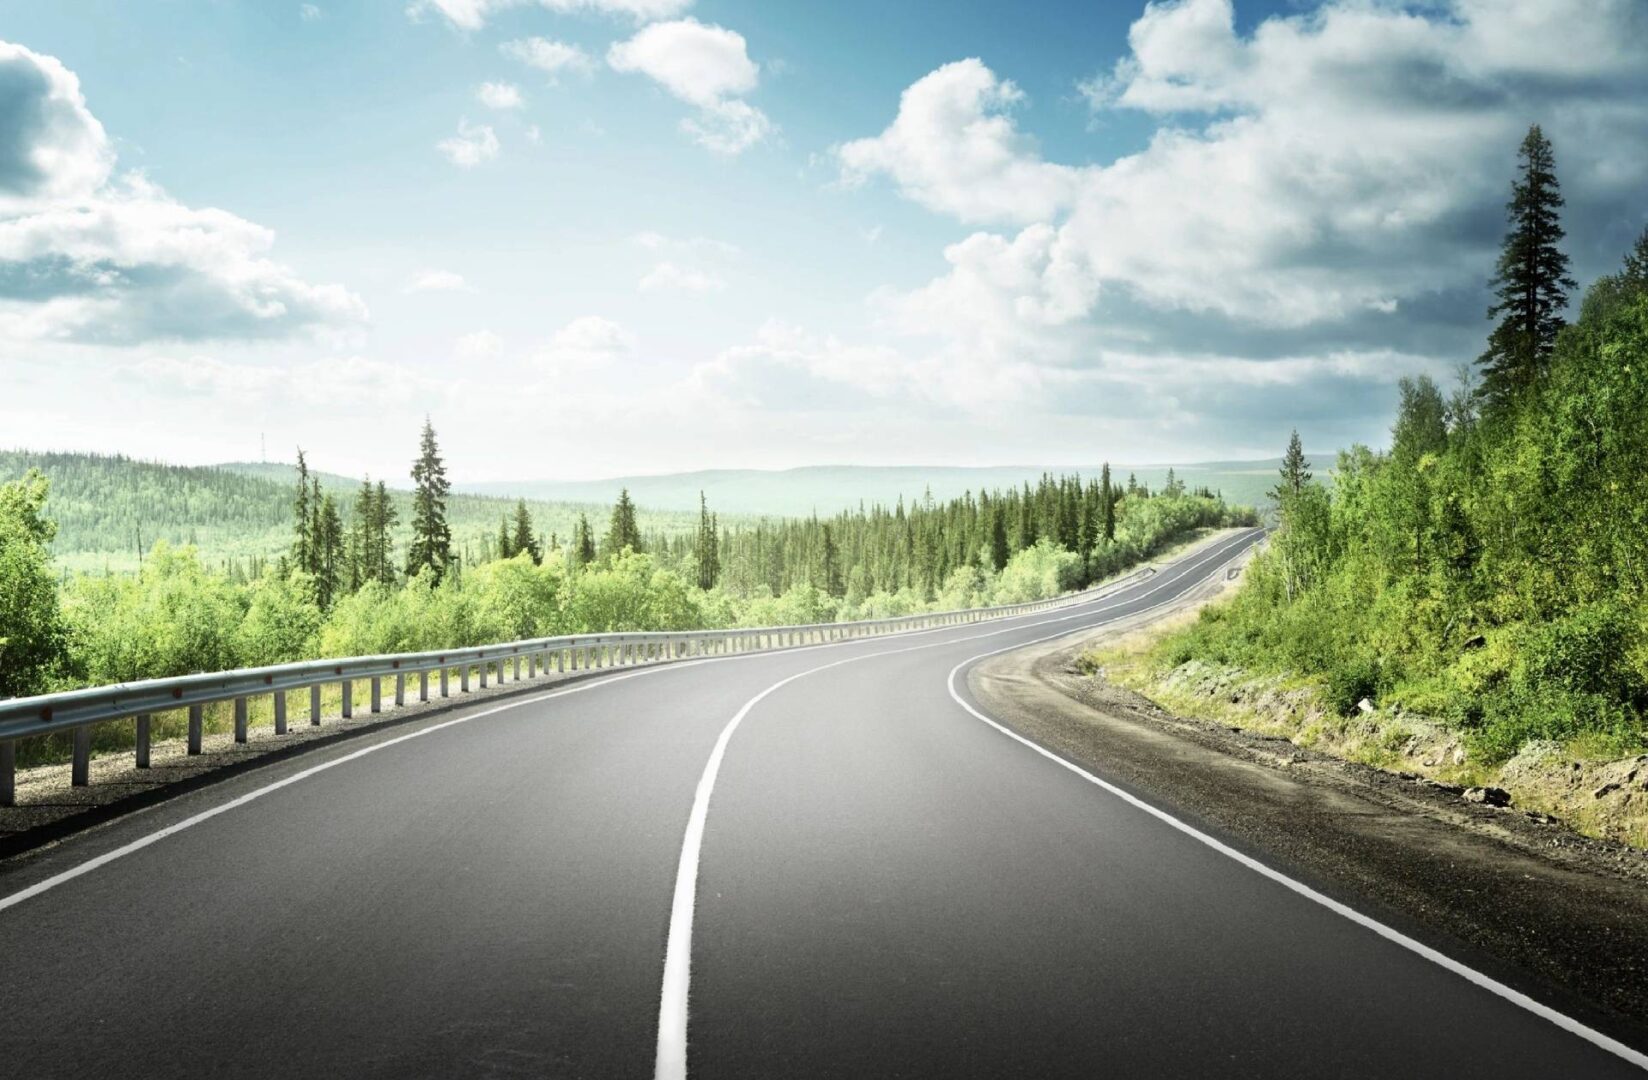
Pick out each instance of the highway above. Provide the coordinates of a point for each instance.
(820, 862)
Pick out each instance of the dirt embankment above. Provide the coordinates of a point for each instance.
(1520, 893)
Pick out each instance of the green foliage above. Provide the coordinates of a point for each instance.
(32, 632)
(1493, 574)
(431, 547)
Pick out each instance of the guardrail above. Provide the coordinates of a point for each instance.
(78, 710)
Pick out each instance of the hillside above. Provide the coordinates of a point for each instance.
(107, 506)
(829, 488)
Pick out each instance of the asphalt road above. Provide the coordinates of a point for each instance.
(819, 862)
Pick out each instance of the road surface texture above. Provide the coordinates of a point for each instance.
(823, 862)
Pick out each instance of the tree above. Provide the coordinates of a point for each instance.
(707, 546)
(583, 542)
(622, 532)
(523, 538)
(1635, 274)
(1109, 494)
(32, 633)
(829, 566)
(999, 552)
(1421, 420)
(431, 546)
(1531, 280)
(329, 551)
(1295, 471)
(303, 543)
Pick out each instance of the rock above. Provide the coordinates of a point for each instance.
(1604, 790)
(1459, 755)
(1488, 796)
(1365, 705)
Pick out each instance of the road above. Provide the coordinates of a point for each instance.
(817, 863)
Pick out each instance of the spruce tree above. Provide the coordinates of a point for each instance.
(522, 539)
(303, 542)
(1635, 274)
(329, 550)
(505, 545)
(1295, 471)
(622, 531)
(431, 546)
(1531, 281)
(1109, 499)
(707, 547)
(384, 519)
(583, 542)
(998, 537)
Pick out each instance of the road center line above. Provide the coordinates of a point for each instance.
(671, 1060)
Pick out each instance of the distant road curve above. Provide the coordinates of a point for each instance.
(818, 862)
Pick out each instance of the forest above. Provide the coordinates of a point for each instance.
(1489, 569)
(374, 572)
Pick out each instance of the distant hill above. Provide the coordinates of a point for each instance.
(829, 488)
(106, 506)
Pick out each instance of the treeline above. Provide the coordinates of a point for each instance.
(1491, 568)
(344, 588)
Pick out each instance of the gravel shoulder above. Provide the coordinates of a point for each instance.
(1516, 895)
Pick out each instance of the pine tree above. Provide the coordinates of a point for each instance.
(1295, 471)
(431, 546)
(1109, 500)
(1531, 281)
(998, 537)
(1635, 274)
(360, 536)
(707, 547)
(384, 519)
(303, 541)
(329, 549)
(829, 565)
(505, 545)
(622, 531)
(522, 539)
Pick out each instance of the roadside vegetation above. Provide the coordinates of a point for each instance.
(1483, 584)
(346, 586)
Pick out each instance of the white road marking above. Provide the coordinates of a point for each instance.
(144, 841)
(1515, 997)
(671, 1060)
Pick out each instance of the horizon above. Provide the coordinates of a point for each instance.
(715, 232)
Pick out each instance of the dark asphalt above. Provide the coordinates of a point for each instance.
(888, 887)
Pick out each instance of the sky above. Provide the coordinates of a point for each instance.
(591, 238)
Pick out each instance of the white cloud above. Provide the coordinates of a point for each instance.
(548, 55)
(317, 383)
(954, 148)
(438, 281)
(482, 346)
(668, 277)
(87, 257)
(587, 343)
(473, 14)
(308, 12)
(1328, 181)
(498, 95)
(706, 66)
(472, 145)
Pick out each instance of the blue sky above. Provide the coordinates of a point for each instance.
(592, 237)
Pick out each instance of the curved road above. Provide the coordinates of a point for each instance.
(821, 862)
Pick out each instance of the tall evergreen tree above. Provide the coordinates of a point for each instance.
(522, 538)
(583, 542)
(1531, 281)
(384, 519)
(829, 565)
(431, 546)
(505, 544)
(1635, 274)
(707, 547)
(622, 532)
(999, 552)
(1295, 471)
(303, 541)
(1109, 500)
(329, 553)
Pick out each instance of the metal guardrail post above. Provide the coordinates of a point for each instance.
(314, 705)
(240, 719)
(142, 754)
(463, 678)
(280, 712)
(348, 698)
(423, 686)
(197, 725)
(400, 689)
(8, 773)
(81, 770)
(377, 694)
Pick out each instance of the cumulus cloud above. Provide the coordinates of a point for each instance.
(548, 55)
(954, 148)
(473, 14)
(438, 281)
(587, 343)
(87, 256)
(1318, 188)
(471, 146)
(479, 347)
(705, 66)
(668, 277)
(498, 95)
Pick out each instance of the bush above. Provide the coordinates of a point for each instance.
(1349, 681)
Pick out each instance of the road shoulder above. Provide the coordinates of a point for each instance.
(1523, 899)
